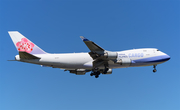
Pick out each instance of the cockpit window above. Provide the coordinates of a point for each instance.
(157, 50)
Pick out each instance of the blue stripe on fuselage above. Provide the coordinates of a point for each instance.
(161, 58)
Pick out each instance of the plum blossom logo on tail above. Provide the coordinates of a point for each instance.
(25, 45)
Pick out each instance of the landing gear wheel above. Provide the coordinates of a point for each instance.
(91, 74)
(95, 72)
(96, 76)
(105, 71)
(154, 66)
(154, 70)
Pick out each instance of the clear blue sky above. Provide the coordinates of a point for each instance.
(55, 26)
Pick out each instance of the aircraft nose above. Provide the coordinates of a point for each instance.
(167, 57)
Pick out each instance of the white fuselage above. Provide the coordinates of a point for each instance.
(138, 57)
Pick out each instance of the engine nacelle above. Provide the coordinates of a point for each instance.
(123, 62)
(78, 71)
(111, 55)
(108, 72)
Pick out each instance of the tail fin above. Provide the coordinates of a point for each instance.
(23, 44)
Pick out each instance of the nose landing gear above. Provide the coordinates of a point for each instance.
(154, 70)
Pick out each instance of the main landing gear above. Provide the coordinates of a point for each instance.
(154, 70)
(105, 70)
(96, 72)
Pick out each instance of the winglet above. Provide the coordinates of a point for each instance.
(83, 38)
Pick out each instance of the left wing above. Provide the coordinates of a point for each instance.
(91, 45)
(101, 58)
(99, 54)
(96, 50)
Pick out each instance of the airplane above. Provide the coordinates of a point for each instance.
(98, 60)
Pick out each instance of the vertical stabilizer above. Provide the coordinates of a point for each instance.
(23, 44)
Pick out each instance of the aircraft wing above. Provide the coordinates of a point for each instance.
(91, 45)
(97, 53)
(96, 50)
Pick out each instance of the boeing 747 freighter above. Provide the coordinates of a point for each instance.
(97, 61)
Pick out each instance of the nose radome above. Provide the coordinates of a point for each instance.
(165, 56)
(168, 57)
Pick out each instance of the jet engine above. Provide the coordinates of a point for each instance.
(123, 62)
(111, 55)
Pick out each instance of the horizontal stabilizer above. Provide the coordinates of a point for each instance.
(25, 55)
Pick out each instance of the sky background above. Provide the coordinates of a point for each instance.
(55, 26)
